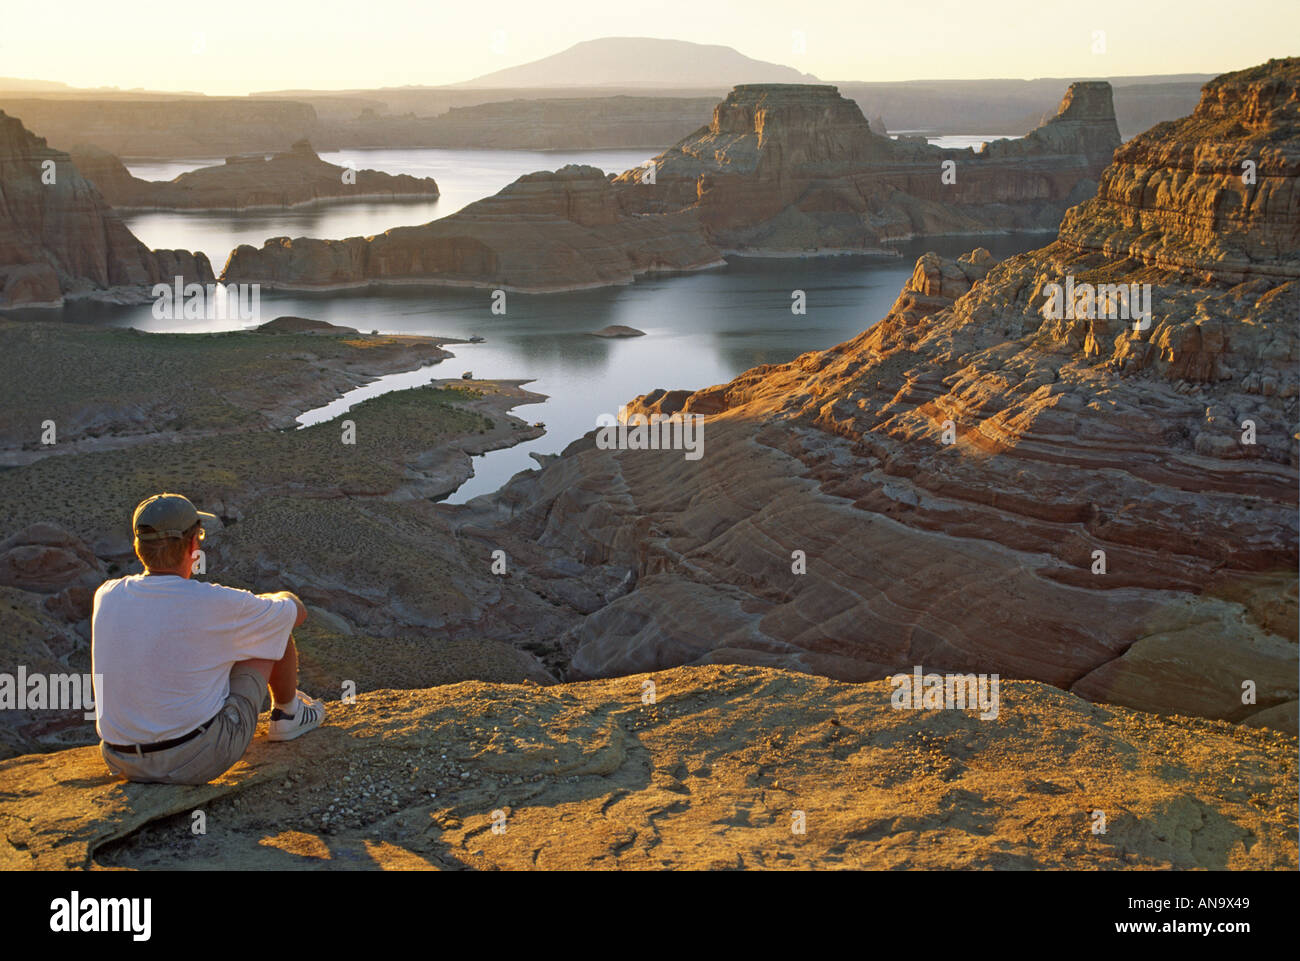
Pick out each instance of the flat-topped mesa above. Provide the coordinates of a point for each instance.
(785, 125)
(765, 130)
(797, 167)
(1215, 195)
(59, 237)
(551, 230)
(288, 179)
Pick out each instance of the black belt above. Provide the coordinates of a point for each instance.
(159, 745)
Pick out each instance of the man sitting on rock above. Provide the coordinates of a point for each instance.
(181, 667)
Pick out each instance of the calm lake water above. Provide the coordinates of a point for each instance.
(958, 141)
(701, 328)
(463, 176)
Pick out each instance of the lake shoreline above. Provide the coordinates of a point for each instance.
(299, 385)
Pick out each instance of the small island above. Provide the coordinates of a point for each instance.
(291, 178)
(303, 325)
(618, 330)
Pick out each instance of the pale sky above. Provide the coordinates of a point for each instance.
(247, 45)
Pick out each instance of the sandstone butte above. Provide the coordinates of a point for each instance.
(1071, 437)
(61, 238)
(711, 775)
(790, 167)
(292, 178)
(781, 168)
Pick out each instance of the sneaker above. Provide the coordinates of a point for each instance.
(309, 715)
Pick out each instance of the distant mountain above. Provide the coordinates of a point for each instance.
(633, 61)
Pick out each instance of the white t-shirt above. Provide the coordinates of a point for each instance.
(164, 646)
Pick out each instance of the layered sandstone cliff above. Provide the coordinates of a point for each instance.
(557, 230)
(979, 483)
(1214, 195)
(793, 167)
(58, 237)
(291, 178)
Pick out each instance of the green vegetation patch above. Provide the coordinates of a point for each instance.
(171, 381)
(94, 493)
(379, 555)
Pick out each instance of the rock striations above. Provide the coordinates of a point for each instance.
(558, 230)
(1215, 195)
(978, 483)
(289, 179)
(797, 168)
(58, 237)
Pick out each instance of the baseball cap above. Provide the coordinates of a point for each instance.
(169, 515)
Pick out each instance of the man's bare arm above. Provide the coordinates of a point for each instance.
(302, 608)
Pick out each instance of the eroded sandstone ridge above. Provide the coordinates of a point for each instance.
(559, 230)
(58, 237)
(1215, 195)
(976, 483)
(795, 167)
(291, 178)
(709, 776)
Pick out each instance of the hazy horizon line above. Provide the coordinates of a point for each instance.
(65, 87)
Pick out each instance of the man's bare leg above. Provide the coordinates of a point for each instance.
(282, 675)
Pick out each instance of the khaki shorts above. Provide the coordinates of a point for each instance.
(209, 755)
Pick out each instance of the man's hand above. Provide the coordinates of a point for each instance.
(302, 608)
